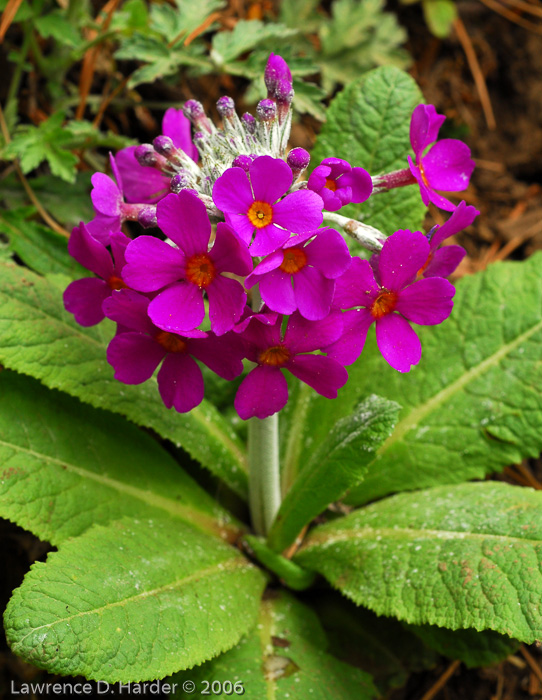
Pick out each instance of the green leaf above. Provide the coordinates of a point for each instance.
(24, 11)
(368, 125)
(70, 211)
(38, 246)
(379, 645)
(472, 405)
(246, 35)
(340, 462)
(453, 556)
(39, 338)
(58, 27)
(440, 16)
(133, 601)
(469, 646)
(301, 14)
(47, 142)
(284, 657)
(292, 575)
(358, 37)
(57, 453)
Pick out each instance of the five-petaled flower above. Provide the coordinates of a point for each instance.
(338, 183)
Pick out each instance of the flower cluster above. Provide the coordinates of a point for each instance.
(241, 272)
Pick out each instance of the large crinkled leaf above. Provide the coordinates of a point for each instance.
(246, 35)
(453, 556)
(67, 466)
(284, 657)
(39, 338)
(340, 462)
(368, 125)
(133, 601)
(472, 405)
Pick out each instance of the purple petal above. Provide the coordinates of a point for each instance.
(180, 383)
(425, 192)
(299, 211)
(178, 128)
(139, 183)
(229, 253)
(270, 178)
(101, 227)
(323, 374)
(402, 255)
(397, 342)
(444, 261)
(260, 335)
(462, 217)
(349, 346)
(305, 336)
(224, 355)
(232, 193)
(356, 287)
(84, 298)
(129, 309)
(183, 218)
(427, 301)
(263, 392)
(152, 264)
(134, 357)
(425, 124)
(329, 253)
(240, 223)
(269, 263)
(337, 167)
(317, 179)
(360, 182)
(448, 165)
(227, 300)
(313, 293)
(268, 239)
(105, 195)
(277, 292)
(178, 308)
(118, 243)
(89, 252)
(331, 200)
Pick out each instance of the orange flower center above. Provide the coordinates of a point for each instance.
(331, 184)
(116, 283)
(422, 173)
(294, 260)
(200, 270)
(170, 341)
(275, 356)
(260, 214)
(384, 304)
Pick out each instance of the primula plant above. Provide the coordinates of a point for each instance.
(283, 320)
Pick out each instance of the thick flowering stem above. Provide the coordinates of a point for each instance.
(389, 181)
(264, 475)
(367, 236)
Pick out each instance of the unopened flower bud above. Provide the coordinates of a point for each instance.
(298, 160)
(242, 162)
(248, 122)
(180, 181)
(266, 110)
(163, 145)
(195, 112)
(146, 155)
(275, 71)
(226, 107)
(147, 217)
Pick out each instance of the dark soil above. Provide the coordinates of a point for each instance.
(506, 188)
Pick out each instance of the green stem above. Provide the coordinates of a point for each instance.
(264, 475)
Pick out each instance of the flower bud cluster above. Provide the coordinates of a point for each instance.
(239, 266)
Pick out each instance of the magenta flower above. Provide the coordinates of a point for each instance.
(252, 203)
(446, 166)
(390, 297)
(84, 297)
(441, 262)
(264, 390)
(301, 274)
(338, 183)
(182, 274)
(135, 354)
